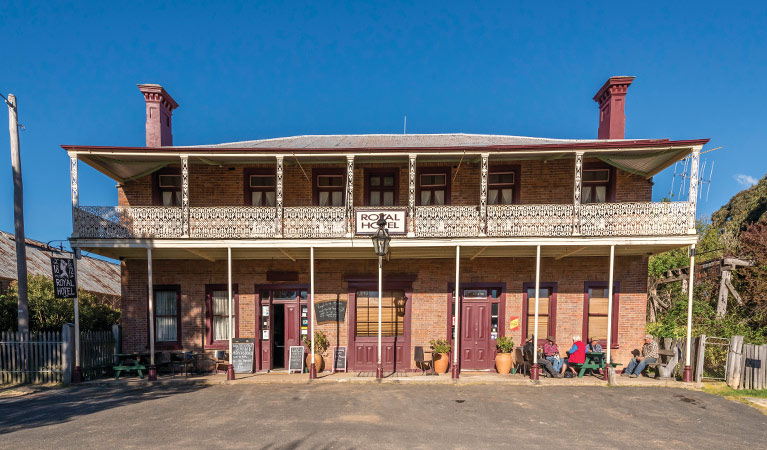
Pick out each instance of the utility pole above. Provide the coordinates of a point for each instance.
(18, 214)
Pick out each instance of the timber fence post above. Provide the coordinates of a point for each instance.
(67, 352)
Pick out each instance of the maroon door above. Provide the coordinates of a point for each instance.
(475, 335)
(292, 336)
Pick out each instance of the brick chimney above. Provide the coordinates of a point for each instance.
(159, 109)
(612, 98)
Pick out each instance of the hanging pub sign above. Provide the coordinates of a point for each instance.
(367, 221)
(64, 278)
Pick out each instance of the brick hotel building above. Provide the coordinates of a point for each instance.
(485, 210)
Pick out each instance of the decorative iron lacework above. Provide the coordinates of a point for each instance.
(577, 193)
(447, 221)
(231, 222)
(110, 222)
(529, 220)
(634, 219)
(315, 221)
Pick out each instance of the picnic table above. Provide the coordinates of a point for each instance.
(131, 362)
(594, 360)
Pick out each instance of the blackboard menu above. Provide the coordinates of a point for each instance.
(243, 350)
(339, 359)
(332, 311)
(296, 361)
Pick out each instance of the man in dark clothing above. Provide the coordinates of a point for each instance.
(528, 350)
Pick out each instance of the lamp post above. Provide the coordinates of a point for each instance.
(381, 248)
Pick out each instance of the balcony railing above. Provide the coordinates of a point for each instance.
(244, 222)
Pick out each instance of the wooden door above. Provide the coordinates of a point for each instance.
(475, 335)
(292, 322)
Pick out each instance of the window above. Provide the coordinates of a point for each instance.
(167, 320)
(595, 307)
(433, 186)
(547, 310)
(329, 188)
(217, 315)
(260, 188)
(392, 314)
(502, 185)
(381, 188)
(596, 185)
(170, 189)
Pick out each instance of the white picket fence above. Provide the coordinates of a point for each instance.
(30, 357)
(48, 357)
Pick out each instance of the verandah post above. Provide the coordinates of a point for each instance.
(483, 195)
(150, 289)
(687, 374)
(349, 200)
(608, 366)
(184, 196)
(577, 193)
(313, 367)
(230, 367)
(457, 299)
(535, 369)
(278, 198)
(411, 196)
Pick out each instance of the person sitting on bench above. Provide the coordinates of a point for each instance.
(639, 363)
(594, 346)
(551, 353)
(576, 354)
(528, 350)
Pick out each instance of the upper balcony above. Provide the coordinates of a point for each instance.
(520, 189)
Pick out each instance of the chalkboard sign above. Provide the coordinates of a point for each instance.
(754, 363)
(332, 311)
(339, 359)
(64, 278)
(243, 350)
(296, 361)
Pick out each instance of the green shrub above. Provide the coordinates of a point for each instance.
(321, 342)
(505, 344)
(440, 345)
(47, 313)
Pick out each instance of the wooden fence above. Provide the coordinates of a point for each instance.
(747, 365)
(48, 357)
(31, 357)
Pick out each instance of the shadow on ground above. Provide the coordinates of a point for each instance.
(53, 406)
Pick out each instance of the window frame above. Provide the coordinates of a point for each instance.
(249, 190)
(516, 186)
(609, 184)
(316, 189)
(552, 313)
(382, 172)
(209, 343)
(433, 170)
(616, 308)
(166, 345)
(356, 310)
(157, 191)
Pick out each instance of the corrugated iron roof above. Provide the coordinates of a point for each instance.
(341, 141)
(94, 275)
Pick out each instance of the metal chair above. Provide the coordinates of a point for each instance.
(522, 366)
(418, 356)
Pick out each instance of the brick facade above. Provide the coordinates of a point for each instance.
(429, 308)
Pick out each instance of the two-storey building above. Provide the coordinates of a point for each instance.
(281, 221)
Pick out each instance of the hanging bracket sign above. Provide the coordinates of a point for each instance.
(64, 278)
(367, 221)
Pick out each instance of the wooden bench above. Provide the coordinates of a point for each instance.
(667, 361)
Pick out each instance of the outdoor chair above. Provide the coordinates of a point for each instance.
(221, 362)
(421, 359)
(522, 365)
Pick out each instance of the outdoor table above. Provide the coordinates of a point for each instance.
(594, 360)
(122, 367)
(187, 359)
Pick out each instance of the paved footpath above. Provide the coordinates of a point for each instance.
(347, 415)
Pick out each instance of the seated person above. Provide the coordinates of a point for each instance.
(595, 347)
(639, 363)
(576, 354)
(528, 350)
(551, 353)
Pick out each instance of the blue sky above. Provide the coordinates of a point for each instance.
(250, 70)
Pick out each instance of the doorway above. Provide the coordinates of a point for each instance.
(482, 322)
(278, 336)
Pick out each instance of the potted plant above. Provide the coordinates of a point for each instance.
(504, 359)
(321, 344)
(441, 356)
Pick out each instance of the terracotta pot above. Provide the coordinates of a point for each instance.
(441, 361)
(319, 361)
(503, 362)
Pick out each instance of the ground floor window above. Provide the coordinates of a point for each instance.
(167, 312)
(547, 310)
(217, 314)
(392, 313)
(595, 308)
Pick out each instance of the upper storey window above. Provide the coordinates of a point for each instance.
(260, 188)
(329, 188)
(434, 186)
(503, 186)
(596, 184)
(381, 187)
(170, 189)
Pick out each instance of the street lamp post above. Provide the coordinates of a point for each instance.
(381, 247)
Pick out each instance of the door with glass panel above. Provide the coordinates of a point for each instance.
(283, 321)
(395, 325)
(481, 320)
